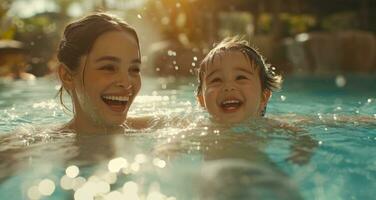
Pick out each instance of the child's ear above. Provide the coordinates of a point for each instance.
(65, 76)
(266, 94)
(200, 100)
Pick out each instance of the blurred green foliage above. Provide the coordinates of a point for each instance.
(193, 23)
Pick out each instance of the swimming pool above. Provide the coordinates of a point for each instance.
(187, 156)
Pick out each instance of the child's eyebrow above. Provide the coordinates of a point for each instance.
(245, 70)
(211, 73)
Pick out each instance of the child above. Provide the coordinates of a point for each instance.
(100, 70)
(235, 83)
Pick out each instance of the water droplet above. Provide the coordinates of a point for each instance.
(115, 195)
(193, 64)
(139, 16)
(320, 142)
(135, 167)
(195, 58)
(130, 190)
(159, 162)
(334, 116)
(340, 81)
(116, 164)
(140, 158)
(369, 100)
(66, 183)
(33, 193)
(72, 171)
(46, 187)
(283, 98)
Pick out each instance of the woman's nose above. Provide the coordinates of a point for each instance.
(123, 80)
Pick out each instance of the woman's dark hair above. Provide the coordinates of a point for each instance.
(79, 37)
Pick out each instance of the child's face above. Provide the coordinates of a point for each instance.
(111, 80)
(231, 88)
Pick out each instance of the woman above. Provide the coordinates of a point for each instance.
(100, 70)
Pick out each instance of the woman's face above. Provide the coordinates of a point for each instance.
(107, 81)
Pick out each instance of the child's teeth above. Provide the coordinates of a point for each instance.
(231, 101)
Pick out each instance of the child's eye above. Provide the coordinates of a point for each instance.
(215, 80)
(241, 77)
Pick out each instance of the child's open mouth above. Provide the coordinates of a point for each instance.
(231, 105)
(116, 103)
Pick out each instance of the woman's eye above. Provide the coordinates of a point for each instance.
(134, 69)
(107, 68)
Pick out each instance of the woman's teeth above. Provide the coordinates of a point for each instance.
(116, 98)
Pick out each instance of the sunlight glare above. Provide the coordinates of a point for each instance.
(46, 187)
(72, 171)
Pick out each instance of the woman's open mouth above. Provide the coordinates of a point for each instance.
(116, 103)
(230, 105)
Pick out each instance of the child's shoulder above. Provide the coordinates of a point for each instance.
(143, 122)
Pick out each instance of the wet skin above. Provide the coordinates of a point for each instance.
(231, 90)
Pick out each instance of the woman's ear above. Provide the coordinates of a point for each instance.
(200, 100)
(66, 77)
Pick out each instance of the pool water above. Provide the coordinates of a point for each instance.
(323, 149)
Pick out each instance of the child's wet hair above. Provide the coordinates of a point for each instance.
(79, 37)
(269, 79)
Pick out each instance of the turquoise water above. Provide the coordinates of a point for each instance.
(324, 149)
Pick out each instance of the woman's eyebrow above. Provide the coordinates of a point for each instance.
(136, 61)
(108, 58)
(116, 59)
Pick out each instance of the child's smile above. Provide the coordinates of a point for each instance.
(230, 105)
(231, 90)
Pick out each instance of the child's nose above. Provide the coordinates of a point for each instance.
(229, 87)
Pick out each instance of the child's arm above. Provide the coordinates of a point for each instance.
(303, 145)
